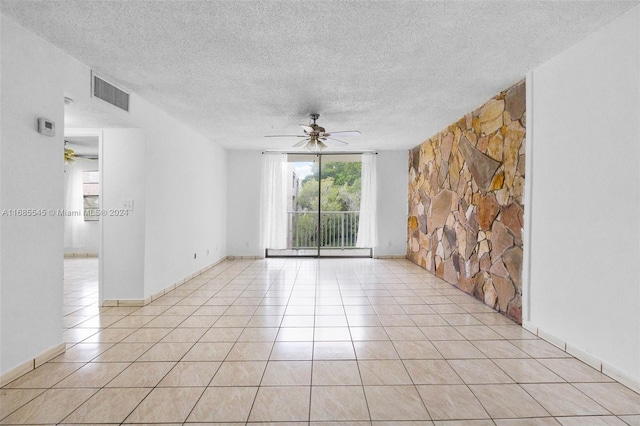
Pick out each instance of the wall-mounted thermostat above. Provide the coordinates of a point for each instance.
(46, 127)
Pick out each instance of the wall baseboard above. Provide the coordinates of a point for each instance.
(390, 256)
(160, 293)
(605, 368)
(32, 364)
(72, 255)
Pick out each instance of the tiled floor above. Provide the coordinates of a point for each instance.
(304, 341)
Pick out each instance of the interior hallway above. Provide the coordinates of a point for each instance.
(307, 341)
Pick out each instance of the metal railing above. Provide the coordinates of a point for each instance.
(337, 230)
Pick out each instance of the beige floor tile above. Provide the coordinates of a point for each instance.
(232, 321)
(356, 320)
(295, 334)
(226, 404)
(513, 332)
(430, 320)
(239, 373)
(109, 335)
(368, 333)
(479, 371)
(287, 373)
(457, 350)
(250, 351)
(616, 398)
(147, 335)
(124, 352)
(184, 335)
(297, 321)
(336, 373)
(561, 399)
(446, 332)
(591, 421)
(167, 405)
(199, 321)
(190, 374)
(166, 321)
(82, 352)
(292, 351)
(332, 334)
(323, 320)
(50, 407)
(166, 352)
(375, 350)
(109, 405)
(395, 403)
(227, 334)
(281, 404)
(451, 402)
(499, 349)
(338, 403)
(133, 321)
(507, 401)
(534, 421)
(93, 375)
(265, 321)
(383, 372)
(631, 420)
(45, 376)
(265, 334)
(142, 375)
(405, 333)
(528, 371)
(416, 350)
(477, 332)
(208, 352)
(540, 349)
(12, 399)
(333, 350)
(573, 370)
(432, 372)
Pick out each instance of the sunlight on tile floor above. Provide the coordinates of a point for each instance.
(307, 341)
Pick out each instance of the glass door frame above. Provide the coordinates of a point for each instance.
(318, 156)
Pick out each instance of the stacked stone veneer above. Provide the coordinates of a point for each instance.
(466, 202)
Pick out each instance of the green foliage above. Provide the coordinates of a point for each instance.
(339, 189)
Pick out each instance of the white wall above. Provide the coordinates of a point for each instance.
(176, 178)
(186, 191)
(243, 203)
(122, 153)
(31, 176)
(80, 236)
(393, 187)
(584, 207)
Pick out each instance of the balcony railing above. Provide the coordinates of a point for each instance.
(337, 230)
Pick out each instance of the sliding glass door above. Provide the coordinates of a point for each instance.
(323, 206)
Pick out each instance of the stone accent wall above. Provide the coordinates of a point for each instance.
(466, 202)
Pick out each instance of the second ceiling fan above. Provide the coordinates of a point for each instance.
(316, 138)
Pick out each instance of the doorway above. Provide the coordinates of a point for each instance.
(323, 206)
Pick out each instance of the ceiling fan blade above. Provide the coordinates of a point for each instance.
(286, 136)
(344, 133)
(302, 142)
(334, 140)
(306, 128)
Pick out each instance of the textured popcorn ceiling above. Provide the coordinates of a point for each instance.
(399, 71)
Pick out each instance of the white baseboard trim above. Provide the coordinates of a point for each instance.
(605, 368)
(390, 256)
(160, 293)
(32, 364)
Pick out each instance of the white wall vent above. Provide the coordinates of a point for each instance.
(109, 93)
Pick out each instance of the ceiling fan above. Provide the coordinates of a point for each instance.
(316, 138)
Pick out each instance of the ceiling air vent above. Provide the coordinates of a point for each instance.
(110, 93)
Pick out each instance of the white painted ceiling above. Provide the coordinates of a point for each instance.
(399, 71)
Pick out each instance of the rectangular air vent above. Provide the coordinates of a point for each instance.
(110, 93)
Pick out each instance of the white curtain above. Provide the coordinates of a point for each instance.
(273, 201)
(367, 229)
